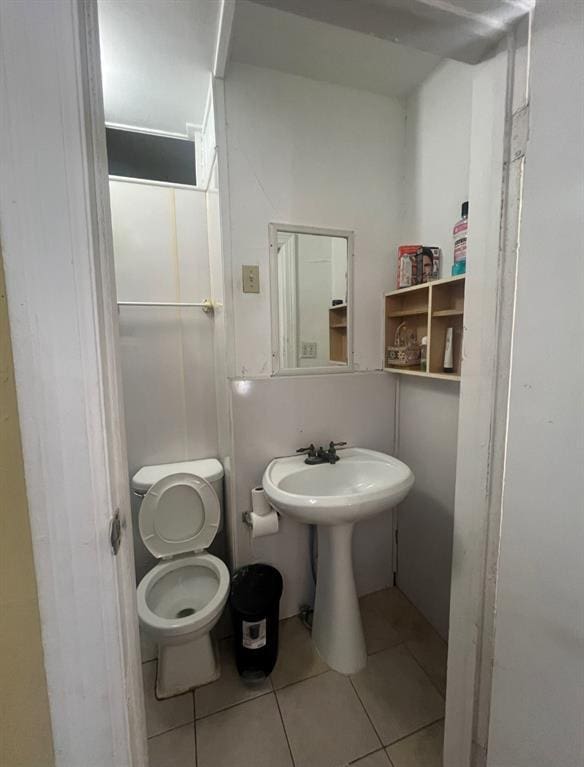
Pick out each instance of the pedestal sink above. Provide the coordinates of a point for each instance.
(334, 497)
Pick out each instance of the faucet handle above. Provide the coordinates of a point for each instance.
(311, 450)
(336, 444)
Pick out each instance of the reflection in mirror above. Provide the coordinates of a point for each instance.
(311, 284)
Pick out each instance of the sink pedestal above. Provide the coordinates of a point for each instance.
(334, 497)
(337, 630)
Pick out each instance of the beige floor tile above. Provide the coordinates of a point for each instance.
(248, 735)
(163, 715)
(325, 722)
(431, 652)
(424, 749)
(297, 655)
(395, 619)
(173, 749)
(397, 694)
(378, 759)
(377, 623)
(229, 689)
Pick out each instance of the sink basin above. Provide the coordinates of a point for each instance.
(334, 497)
(362, 483)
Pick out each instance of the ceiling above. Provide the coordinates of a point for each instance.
(275, 39)
(157, 56)
(464, 30)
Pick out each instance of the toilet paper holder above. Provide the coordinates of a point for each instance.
(246, 518)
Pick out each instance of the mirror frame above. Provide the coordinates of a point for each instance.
(346, 234)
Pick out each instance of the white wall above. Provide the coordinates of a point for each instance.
(538, 679)
(310, 153)
(428, 428)
(438, 136)
(161, 253)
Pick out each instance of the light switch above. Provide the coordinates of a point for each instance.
(251, 279)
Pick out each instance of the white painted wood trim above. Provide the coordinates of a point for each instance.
(318, 230)
(489, 294)
(223, 47)
(151, 182)
(106, 296)
(208, 105)
(152, 131)
(287, 304)
(505, 322)
(62, 315)
(235, 528)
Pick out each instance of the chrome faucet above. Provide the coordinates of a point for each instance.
(314, 456)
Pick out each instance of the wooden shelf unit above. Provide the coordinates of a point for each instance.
(338, 334)
(429, 309)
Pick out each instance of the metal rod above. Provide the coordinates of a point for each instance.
(206, 305)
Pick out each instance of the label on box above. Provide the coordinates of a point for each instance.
(417, 264)
(254, 634)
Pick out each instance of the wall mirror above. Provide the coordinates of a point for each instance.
(311, 289)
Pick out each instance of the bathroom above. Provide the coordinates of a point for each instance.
(313, 129)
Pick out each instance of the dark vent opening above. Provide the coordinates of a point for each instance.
(151, 157)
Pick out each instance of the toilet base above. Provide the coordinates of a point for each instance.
(181, 667)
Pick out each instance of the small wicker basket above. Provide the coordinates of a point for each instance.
(406, 351)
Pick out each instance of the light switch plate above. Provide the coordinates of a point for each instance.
(250, 277)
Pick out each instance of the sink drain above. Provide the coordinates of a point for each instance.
(185, 612)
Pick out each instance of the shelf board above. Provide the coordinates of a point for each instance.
(448, 313)
(338, 306)
(421, 374)
(338, 325)
(426, 285)
(407, 313)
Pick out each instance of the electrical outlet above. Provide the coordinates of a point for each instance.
(250, 278)
(308, 350)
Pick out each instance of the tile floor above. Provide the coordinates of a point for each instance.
(306, 715)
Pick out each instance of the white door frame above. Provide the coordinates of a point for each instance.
(56, 243)
(56, 240)
(495, 186)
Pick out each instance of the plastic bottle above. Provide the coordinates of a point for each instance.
(423, 353)
(460, 235)
(448, 364)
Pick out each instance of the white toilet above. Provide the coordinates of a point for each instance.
(181, 599)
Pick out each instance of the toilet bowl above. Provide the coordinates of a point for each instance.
(181, 599)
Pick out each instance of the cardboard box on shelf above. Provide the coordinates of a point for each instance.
(417, 264)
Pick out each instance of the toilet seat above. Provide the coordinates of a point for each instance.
(162, 626)
(180, 513)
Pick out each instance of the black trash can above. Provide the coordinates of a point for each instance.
(255, 609)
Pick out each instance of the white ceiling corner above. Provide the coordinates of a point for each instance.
(288, 42)
(463, 30)
(157, 55)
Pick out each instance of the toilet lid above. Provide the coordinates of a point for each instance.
(180, 513)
